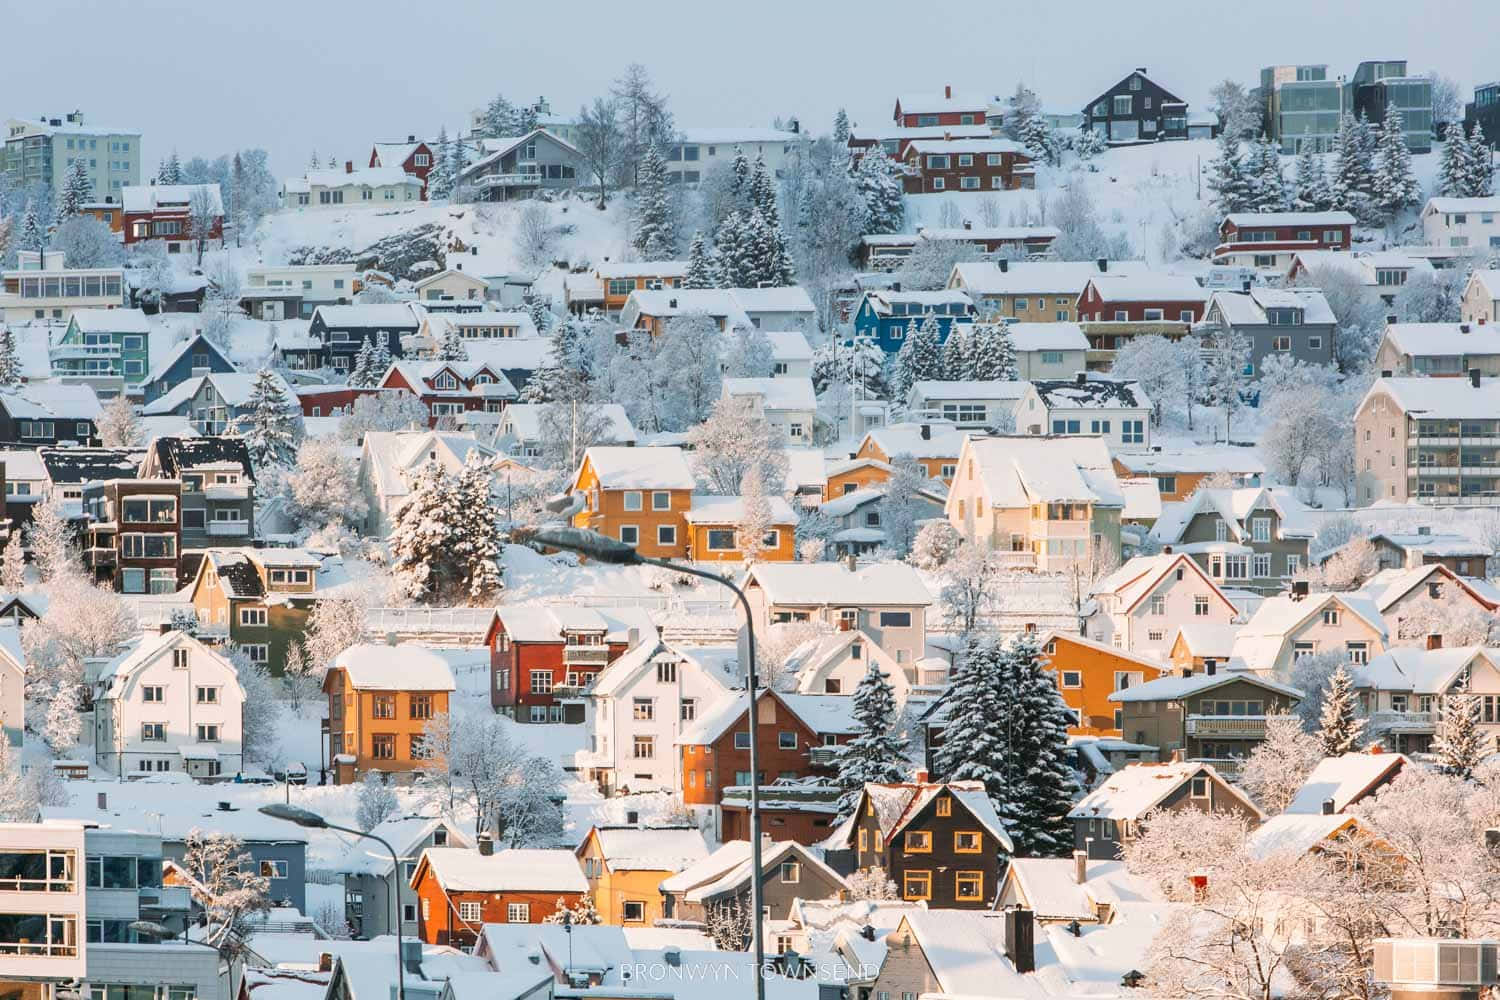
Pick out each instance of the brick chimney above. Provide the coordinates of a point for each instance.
(1435, 641)
(922, 776)
(948, 91)
(1080, 867)
(348, 166)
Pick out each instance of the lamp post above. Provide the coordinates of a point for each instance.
(610, 550)
(311, 820)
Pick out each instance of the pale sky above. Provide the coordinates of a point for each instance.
(208, 76)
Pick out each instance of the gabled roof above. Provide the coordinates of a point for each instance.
(115, 675)
(504, 146)
(1390, 585)
(635, 662)
(1215, 642)
(648, 468)
(834, 584)
(405, 834)
(524, 420)
(1419, 671)
(88, 465)
(393, 455)
(175, 455)
(459, 869)
(710, 508)
(381, 316)
(404, 667)
(550, 622)
(1249, 308)
(1346, 780)
(1443, 340)
(110, 321)
(234, 388)
(360, 176)
(432, 279)
(1234, 506)
(1261, 639)
(1138, 577)
(1018, 470)
(196, 342)
(944, 102)
(1444, 204)
(738, 876)
(1136, 789)
(150, 197)
(793, 393)
(1118, 83)
(1261, 220)
(942, 440)
(1123, 655)
(1298, 833)
(51, 400)
(898, 805)
(1147, 287)
(1095, 392)
(819, 712)
(1176, 688)
(1047, 277)
(638, 848)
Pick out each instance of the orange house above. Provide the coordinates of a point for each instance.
(618, 280)
(934, 444)
(380, 699)
(1197, 647)
(640, 496)
(460, 890)
(713, 522)
(112, 214)
(860, 473)
(1088, 673)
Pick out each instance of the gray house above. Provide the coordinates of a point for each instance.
(369, 874)
(1255, 538)
(1292, 322)
(218, 487)
(1110, 816)
(519, 168)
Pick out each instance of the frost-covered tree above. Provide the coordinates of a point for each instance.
(876, 753)
(226, 885)
(689, 367)
(930, 263)
(1431, 296)
(360, 376)
(734, 260)
(77, 190)
(440, 178)
(974, 732)
(271, 426)
(1081, 236)
(1459, 743)
(1339, 726)
(1227, 177)
(702, 269)
(957, 354)
(936, 543)
(1238, 109)
(1225, 354)
(51, 541)
(170, 170)
(335, 624)
(1310, 189)
(501, 120)
(878, 179)
(452, 347)
(1481, 165)
(118, 425)
(1088, 144)
(18, 798)
(1396, 186)
(1043, 784)
(755, 517)
(732, 441)
(645, 120)
(87, 242)
(204, 216)
(64, 724)
(1353, 174)
(655, 222)
(750, 354)
(536, 236)
(375, 803)
(1278, 765)
(920, 358)
(841, 127)
(992, 351)
(323, 487)
(385, 411)
(600, 142)
(33, 235)
(968, 586)
(902, 508)
(1453, 165)
(13, 565)
(445, 538)
(1154, 362)
(1358, 312)
(1267, 183)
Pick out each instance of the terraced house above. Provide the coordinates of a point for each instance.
(257, 599)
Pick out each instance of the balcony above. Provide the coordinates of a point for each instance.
(507, 180)
(1230, 727)
(590, 656)
(1404, 722)
(823, 756)
(227, 491)
(223, 529)
(1228, 767)
(99, 557)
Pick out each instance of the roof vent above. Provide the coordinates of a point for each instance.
(1474, 377)
(1463, 328)
(671, 303)
(1103, 263)
(948, 91)
(1004, 265)
(1328, 807)
(411, 138)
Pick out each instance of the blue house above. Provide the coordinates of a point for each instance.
(195, 356)
(886, 316)
(106, 348)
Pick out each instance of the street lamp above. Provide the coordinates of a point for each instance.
(610, 550)
(311, 820)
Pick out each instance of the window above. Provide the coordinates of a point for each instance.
(720, 539)
(895, 619)
(273, 869)
(643, 709)
(666, 672)
(688, 710)
(253, 616)
(786, 740)
(666, 534)
(541, 682)
(742, 741)
(967, 842)
(1158, 604)
(1072, 678)
(917, 842)
(1330, 616)
(518, 913)
(383, 746)
(1133, 431)
(153, 732)
(1359, 652)
(1121, 105)
(661, 500)
(1200, 607)
(383, 706)
(630, 534)
(791, 872)
(632, 500)
(179, 658)
(916, 885)
(968, 886)
(634, 911)
(207, 695)
(938, 184)
(1200, 788)
(208, 732)
(151, 693)
(937, 162)
(643, 748)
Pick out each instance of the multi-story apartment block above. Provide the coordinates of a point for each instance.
(43, 289)
(1435, 441)
(1302, 107)
(1484, 111)
(132, 534)
(275, 293)
(106, 348)
(1381, 84)
(699, 150)
(42, 907)
(218, 487)
(40, 151)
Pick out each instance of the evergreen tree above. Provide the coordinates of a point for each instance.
(899, 369)
(445, 538)
(734, 244)
(1481, 169)
(974, 741)
(170, 171)
(993, 353)
(541, 316)
(1043, 785)
(270, 427)
(763, 192)
(77, 190)
(452, 347)
(841, 128)
(440, 177)
(1311, 183)
(701, 267)
(1395, 185)
(1226, 176)
(1267, 183)
(1460, 744)
(878, 180)
(1453, 165)
(479, 539)
(33, 235)
(10, 361)
(1339, 728)
(875, 753)
(500, 120)
(458, 160)
(380, 358)
(771, 257)
(958, 357)
(1367, 141)
(360, 374)
(655, 229)
(739, 187)
(924, 354)
(1352, 176)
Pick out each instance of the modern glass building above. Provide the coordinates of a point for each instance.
(1377, 85)
(1302, 107)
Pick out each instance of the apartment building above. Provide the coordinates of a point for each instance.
(40, 151)
(44, 290)
(42, 907)
(1301, 107)
(1379, 84)
(132, 533)
(277, 293)
(1429, 440)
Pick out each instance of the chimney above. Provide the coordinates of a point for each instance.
(948, 91)
(458, 265)
(867, 932)
(1435, 641)
(1080, 378)
(968, 223)
(1463, 328)
(1474, 377)
(1103, 263)
(671, 303)
(926, 432)
(1299, 589)
(895, 286)
(348, 166)
(1327, 807)
(1385, 373)
(390, 638)
(411, 138)
(1391, 318)
(1019, 939)
(1004, 265)
(947, 136)
(921, 775)
(632, 638)
(1166, 550)
(1141, 70)
(1080, 867)
(103, 800)
(325, 962)
(486, 845)
(852, 561)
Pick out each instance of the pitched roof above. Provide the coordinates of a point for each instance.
(1095, 392)
(996, 389)
(660, 468)
(928, 146)
(771, 857)
(1249, 308)
(111, 321)
(1147, 286)
(234, 388)
(1296, 833)
(404, 667)
(1176, 688)
(636, 848)
(824, 584)
(781, 393)
(150, 197)
(1345, 779)
(197, 342)
(942, 439)
(1261, 638)
(1136, 789)
(524, 420)
(88, 465)
(1430, 340)
(362, 176)
(385, 315)
(1031, 277)
(1282, 219)
(175, 455)
(819, 712)
(1031, 337)
(51, 400)
(898, 805)
(1018, 470)
(1193, 458)
(460, 869)
(708, 508)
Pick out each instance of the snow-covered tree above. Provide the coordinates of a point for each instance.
(1267, 183)
(732, 441)
(87, 242)
(1279, 764)
(1227, 177)
(902, 508)
(655, 222)
(1339, 726)
(452, 347)
(1081, 237)
(1396, 186)
(702, 268)
(600, 142)
(335, 624)
(930, 263)
(13, 565)
(1225, 353)
(271, 427)
(77, 190)
(385, 411)
(536, 236)
(920, 358)
(841, 127)
(1042, 783)
(323, 487)
(440, 178)
(1481, 167)
(974, 732)
(33, 235)
(10, 362)
(170, 171)
(118, 425)
(878, 179)
(936, 543)
(64, 724)
(301, 681)
(1431, 296)
(750, 354)
(876, 753)
(992, 352)
(360, 376)
(226, 885)
(375, 803)
(1453, 165)
(1310, 188)
(18, 799)
(755, 517)
(957, 357)
(1353, 173)
(967, 590)
(445, 538)
(205, 214)
(1089, 143)
(871, 883)
(51, 541)
(1154, 362)
(1459, 743)
(689, 367)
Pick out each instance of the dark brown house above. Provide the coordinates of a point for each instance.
(722, 880)
(1110, 816)
(940, 842)
(133, 534)
(966, 165)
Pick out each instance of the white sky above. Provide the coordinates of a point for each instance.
(205, 76)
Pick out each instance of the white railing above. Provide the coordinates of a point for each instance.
(508, 180)
(428, 620)
(227, 491)
(1403, 720)
(221, 528)
(1243, 726)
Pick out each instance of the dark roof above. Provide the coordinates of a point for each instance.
(87, 465)
(238, 574)
(175, 454)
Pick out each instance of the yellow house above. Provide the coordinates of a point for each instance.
(714, 525)
(625, 866)
(640, 496)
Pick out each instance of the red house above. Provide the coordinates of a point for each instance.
(966, 165)
(448, 388)
(412, 156)
(543, 657)
(927, 110)
(165, 212)
(329, 400)
(1145, 297)
(1283, 233)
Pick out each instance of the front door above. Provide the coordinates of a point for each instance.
(270, 312)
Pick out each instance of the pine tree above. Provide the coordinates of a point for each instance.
(1226, 176)
(479, 539)
(878, 180)
(77, 190)
(701, 266)
(170, 171)
(440, 177)
(763, 192)
(1453, 165)
(1043, 785)
(1352, 176)
(875, 754)
(1311, 183)
(541, 316)
(841, 128)
(993, 353)
(926, 361)
(1267, 182)
(10, 361)
(452, 347)
(655, 231)
(1367, 141)
(380, 358)
(1395, 185)
(974, 743)
(739, 187)
(958, 358)
(445, 539)
(770, 257)
(500, 118)
(458, 161)
(1339, 728)
(1481, 165)
(735, 246)
(1460, 744)
(360, 375)
(33, 235)
(270, 427)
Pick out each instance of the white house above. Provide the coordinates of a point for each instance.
(313, 284)
(641, 703)
(452, 285)
(837, 662)
(1113, 408)
(369, 187)
(45, 932)
(791, 355)
(967, 404)
(520, 430)
(1402, 692)
(698, 150)
(1481, 301)
(788, 404)
(390, 459)
(168, 703)
(1048, 350)
(1140, 606)
(12, 684)
(1473, 223)
(886, 601)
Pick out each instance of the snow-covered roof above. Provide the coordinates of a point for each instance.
(726, 857)
(965, 950)
(150, 197)
(659, 468)
(898, 805)
(789, 345)
(549, 622)
(1047, 337)
(1234, 506)
(820, 712)
(634, 848)
(708, 508)
(461, 869)
(393, 455)
(384, 315)
(1051, 889)
(1260, 640)
(404, 667)
(883, 131)
(1139, 576)
(1361, 265)
(524, 421)
(1142, 499)
(1214, 641)
(1419, 671)
(1252, 220)
(1437, 340)
(641, 269)
(805, 469)
(1019, 470)
(1390, 585)
(927, 146)
(989, 234)
(362, 177)
(405, 834)
(1047, 277)
(116, 674)
(946, 102)
(886, 584)
(1095, 392)
(728, 135)
(780, 299)
(111, 321)
(1136, 789)
(1176, 688)
(943, 440)
(1295, 833)
(48, 400)
(784, 393)
(1445, 204)
(1206, 458)
(1488, 281)
(1249, 308)
(1345, 780)
(233, 388)
(986, 389)
(1147, 287)
(23, 465)
(771, 858)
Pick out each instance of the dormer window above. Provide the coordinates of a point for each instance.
(445, 381)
